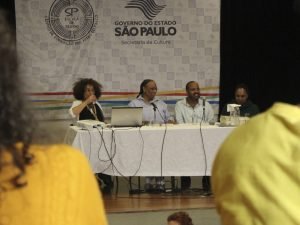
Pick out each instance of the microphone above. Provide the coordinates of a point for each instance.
(154, 109)
(154, 106)
(203, 105)
(203, 101)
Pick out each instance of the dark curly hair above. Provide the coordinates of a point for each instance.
(80, 85)
(181, 217)
(142, 85)
(15, 119)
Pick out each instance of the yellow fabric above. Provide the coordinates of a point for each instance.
(256, 173)
(61, 190)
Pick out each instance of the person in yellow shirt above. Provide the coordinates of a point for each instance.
(256, 173)
(39, 185)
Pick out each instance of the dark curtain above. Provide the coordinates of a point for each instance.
(260, 46)
(9, 7)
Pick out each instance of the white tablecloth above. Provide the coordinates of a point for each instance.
(150, 151)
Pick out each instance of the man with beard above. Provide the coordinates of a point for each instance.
(241, 97)
(192, 109)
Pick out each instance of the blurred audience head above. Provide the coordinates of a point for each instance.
(255, 174)
(179, 218)
(15, 120)
(85, 87)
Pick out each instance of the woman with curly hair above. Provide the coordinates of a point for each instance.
(86, 107)
(86, 92)
(38, 184)
(179, 218)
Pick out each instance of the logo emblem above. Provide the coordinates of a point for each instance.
(148, 7)
(71, 21)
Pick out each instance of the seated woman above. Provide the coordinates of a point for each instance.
(86, 107)
(241, 97)
(87, 92)
(154, 111)
(39, 184)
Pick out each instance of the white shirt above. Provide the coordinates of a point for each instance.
(186, 114)
(160, 115)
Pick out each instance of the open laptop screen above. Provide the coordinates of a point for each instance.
(126, 116)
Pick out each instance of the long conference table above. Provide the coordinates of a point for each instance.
(172, 150)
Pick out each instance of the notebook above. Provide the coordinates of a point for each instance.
(126, 116)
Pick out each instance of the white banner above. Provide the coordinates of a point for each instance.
(118, 43)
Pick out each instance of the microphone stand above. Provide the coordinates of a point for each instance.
(205, 178)
(161, 155)
(154, 110)
(203, 105)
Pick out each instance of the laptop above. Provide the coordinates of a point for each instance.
(126, 116)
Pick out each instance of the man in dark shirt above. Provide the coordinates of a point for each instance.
(247, 107)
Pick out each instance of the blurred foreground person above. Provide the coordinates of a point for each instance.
(39, 185)
(256, 176)
(179, 218)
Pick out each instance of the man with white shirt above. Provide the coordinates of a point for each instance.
(192, 109)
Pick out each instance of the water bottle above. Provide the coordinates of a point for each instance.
(235, 116)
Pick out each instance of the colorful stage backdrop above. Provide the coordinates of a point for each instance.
(119, 43)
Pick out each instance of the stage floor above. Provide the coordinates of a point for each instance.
(156, 202)
(149, 209)
(122, 201)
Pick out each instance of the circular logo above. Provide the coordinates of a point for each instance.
(71, 20)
